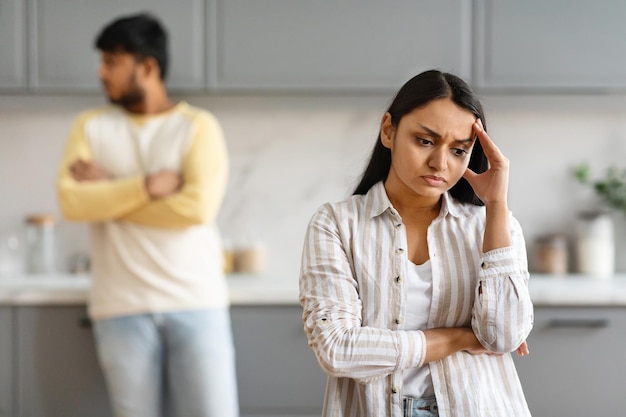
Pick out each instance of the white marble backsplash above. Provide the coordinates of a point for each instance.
(290, 154)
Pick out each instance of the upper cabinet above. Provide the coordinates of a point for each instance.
(320, 46)
(63, 55)
(12, 44)
(363, 45)
(558, 45)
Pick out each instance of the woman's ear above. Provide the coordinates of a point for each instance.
(387, 131)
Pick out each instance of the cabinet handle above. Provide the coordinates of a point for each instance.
(580, 323)
(84, 322)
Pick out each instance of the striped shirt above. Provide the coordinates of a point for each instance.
(352, 290)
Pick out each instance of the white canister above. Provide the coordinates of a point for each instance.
(595, 244)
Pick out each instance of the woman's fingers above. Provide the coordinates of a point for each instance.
(492, 152)
(522, 350)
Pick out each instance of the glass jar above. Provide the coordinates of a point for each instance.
(552, 254)
(11, 257)
(595, 244)
(41, 244)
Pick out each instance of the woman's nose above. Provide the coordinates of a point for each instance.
(438, 160)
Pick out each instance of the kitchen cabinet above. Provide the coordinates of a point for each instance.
(278, 374)
(62, 33)
(57, 372)
(12, 44)
(48, 363)
(576, 364)
(358, 45)
(6, 362)
(559, 45)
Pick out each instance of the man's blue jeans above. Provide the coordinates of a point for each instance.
(185, 358)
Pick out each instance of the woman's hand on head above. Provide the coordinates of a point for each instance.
(492, 185)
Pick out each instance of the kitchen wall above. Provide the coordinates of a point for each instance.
(292, 153)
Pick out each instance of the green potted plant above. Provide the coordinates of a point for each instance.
(611, 188)
(595, 230)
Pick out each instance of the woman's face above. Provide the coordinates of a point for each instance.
(430, 148)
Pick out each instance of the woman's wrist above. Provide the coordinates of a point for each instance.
(497, 233)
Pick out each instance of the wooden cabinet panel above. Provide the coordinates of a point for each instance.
(57, 370)
(362, 45)
(558, 45)
(64, 57)
(576, 364)
(6, 362)
(12, 44)
(277, 372)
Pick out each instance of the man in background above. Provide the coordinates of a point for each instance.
(149, 176)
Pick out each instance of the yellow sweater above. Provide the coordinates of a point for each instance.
(149, 255)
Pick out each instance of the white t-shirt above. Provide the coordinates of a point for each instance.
(419, 287)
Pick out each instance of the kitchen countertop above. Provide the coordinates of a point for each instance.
(545, 290)
(63, 289)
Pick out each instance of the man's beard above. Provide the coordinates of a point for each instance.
(133, 96)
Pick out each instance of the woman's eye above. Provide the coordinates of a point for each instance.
(424, 141)
(459, 152)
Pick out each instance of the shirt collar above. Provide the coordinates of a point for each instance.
(378, 202)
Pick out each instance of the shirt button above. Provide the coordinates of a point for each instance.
(398, 279)
(395, 390)
(484, 265)
(399, 250)
(398, 321)
(399, 225)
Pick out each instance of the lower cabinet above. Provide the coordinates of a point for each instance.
(278, 374)
(49, 368)
(57, 370)
(576, 365)
(48, 364)
(6, 362)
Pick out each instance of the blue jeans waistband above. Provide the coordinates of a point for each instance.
(420, 407)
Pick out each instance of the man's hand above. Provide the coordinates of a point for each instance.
(163, 184)
(82, 170)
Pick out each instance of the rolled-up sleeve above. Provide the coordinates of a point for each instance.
(332, 312)
(502, 316)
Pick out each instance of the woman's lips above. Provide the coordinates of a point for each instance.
(433, 181)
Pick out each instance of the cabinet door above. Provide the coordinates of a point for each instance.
(6, 362)
(349, 45)
(551, 45)
(12, 44)
(64, 57)
(576, 365)
(277, 372)
(58, 373)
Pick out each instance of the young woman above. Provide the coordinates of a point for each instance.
(414, 289)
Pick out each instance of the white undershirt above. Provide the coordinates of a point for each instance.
(419, 289)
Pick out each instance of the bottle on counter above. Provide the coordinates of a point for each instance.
(41, 244)
(228, 251)
(552, 254)
(11, 255)
(251, 258)
(595, 244)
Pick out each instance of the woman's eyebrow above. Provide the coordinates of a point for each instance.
(438, 136)
(430, 131)
(468, 141)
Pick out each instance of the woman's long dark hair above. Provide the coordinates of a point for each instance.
(417, 92)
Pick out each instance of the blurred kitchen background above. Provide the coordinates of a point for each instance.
(300, 87)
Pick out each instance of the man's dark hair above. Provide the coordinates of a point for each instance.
(141, 35)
